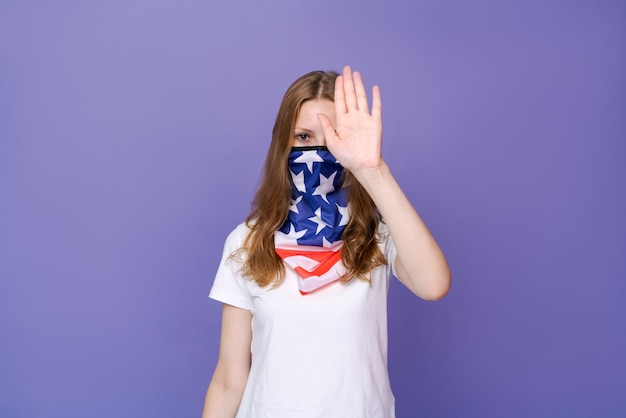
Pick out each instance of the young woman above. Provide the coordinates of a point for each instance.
(304, 280)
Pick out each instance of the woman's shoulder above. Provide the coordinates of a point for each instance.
(236, 238)
(239, 234)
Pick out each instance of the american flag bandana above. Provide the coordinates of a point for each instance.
(310, 239)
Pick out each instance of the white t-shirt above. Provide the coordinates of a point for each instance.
(321, 355)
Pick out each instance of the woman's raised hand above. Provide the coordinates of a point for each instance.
(357, 140)
(356, 143)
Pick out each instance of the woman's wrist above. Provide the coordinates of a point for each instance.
(371, 177)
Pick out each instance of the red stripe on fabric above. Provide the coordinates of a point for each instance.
(318, 256)
(322, 268)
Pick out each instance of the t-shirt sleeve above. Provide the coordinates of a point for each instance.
(230, 286)
(389, 249)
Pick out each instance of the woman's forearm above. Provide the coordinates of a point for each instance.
(222, 400)
(420, 263)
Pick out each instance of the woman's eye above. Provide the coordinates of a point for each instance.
(302, 137)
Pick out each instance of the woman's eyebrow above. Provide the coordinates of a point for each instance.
(297, 128)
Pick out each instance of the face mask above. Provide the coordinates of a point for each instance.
(310, 239)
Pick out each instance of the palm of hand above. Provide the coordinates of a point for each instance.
(357, 140)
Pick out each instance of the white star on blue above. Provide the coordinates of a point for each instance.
(318, 209)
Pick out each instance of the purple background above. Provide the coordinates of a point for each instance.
(132, 135)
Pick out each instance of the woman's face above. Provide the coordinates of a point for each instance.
(308, 131)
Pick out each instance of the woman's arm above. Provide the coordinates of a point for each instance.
(420, 263)
(233, 364)
(357, 143)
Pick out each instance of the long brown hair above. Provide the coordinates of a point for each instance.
(360, 252)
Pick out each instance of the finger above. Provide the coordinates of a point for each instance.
(348, 89)
(377, 104)
(361, 95)
(327, 127)
(340, 101)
